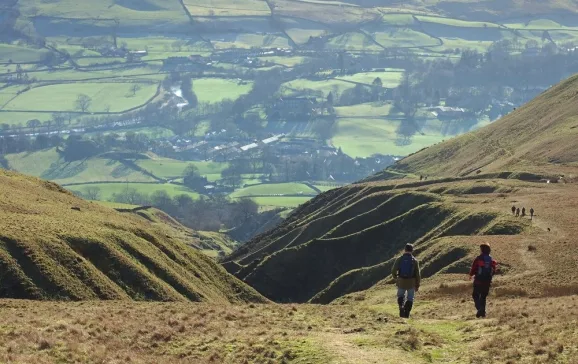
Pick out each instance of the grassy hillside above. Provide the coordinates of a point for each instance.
(56, 246)
(539, 137)
(344, 240)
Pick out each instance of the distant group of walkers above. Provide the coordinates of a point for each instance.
(407, 273)
(516, 211)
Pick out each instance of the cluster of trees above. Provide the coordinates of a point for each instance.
(77, 147)
(205, 213)
(481, 81)
(22, 143)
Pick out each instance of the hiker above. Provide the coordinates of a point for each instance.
(513, 210)
(517, 212)
(407, 273)
(523, 211)
(483, 270)
(532, 213)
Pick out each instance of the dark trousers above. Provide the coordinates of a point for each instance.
(480, 294)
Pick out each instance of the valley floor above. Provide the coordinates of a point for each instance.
(359, 330)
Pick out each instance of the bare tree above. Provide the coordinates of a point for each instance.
(33, 124)
(82, 102)
(92, 193)
(134, 88)
(58, 121)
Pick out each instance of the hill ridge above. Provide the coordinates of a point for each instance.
(54, 245)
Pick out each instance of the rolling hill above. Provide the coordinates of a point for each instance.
(539, 137)
(345, 240)
(55, 246)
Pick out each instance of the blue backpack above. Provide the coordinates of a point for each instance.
(406, 266)
(485, 271)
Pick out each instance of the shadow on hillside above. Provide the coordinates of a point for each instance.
(138, 5)
(63, 170)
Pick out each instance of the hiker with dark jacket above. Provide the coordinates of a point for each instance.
(483, 270)
(513, 210)
(407, 273)
(532, 214)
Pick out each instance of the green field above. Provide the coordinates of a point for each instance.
(456, 22)
(358, 138)
(217, 89)
(274, 189)
(366, 129)
(20, 118)
(171, 168)
(248, 40)
(129, 12)
(48, 165)
(108, 189)
(275, 202)
(117, 96)
(285, 61)
(300, 29)
(402, 37)
(364, 110)
(8, 93)
(322, 87)
(139, 73)
(389, 79)
(227, 8)
(397, 19)
(19, 54)
(353, 41)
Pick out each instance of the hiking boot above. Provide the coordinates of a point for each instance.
(480, 314)
(407, 308)
(401, 308)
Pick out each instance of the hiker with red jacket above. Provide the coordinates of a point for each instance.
(408, 276)
(483, 270)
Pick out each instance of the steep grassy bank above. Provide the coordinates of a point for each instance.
(56, 246)
(345, 240)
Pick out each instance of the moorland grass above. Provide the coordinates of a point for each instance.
(48, 250)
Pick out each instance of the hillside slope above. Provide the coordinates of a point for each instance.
(540, 137)
(346, 240)
(56, 246)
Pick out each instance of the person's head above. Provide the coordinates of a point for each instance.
(485, 248)
(409, 248)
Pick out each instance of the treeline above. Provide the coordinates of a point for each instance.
(76, 147)
(211, 213)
